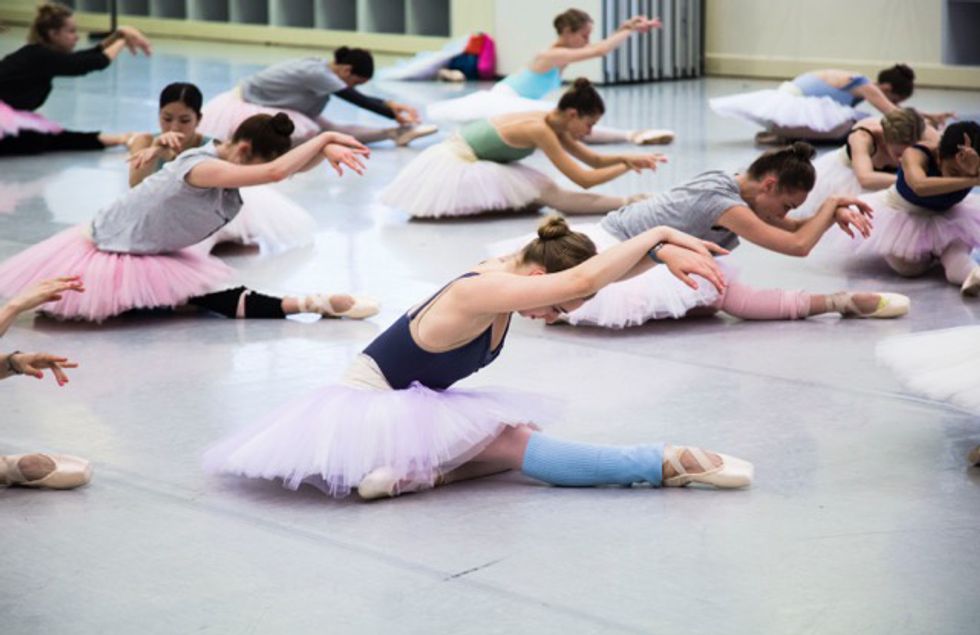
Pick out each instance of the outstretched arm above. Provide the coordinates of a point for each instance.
(563, 56)
(875, 97)
(545, 139)
(914, 167)
(864, 168)
(593, 159)
(42, 292)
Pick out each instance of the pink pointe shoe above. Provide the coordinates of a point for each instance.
(383, 482)
(730, 474)
(363, 307)
(69, 471)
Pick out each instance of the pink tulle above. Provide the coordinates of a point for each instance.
(12, 121)
(337, 435)
(227, 111)
(114, 282)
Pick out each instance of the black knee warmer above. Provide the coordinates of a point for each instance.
(225, 303)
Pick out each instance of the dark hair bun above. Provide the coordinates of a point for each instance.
(341, 53)
(553, 228)
(905, 71)
(803, 150)
(581, 83)
(281, 124)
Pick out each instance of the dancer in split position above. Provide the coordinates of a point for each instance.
(396, 423)
(723, 208)
(929, 216)
(868, 160)
(524, 90)
(301, 88)
(26, 80)
(134, 254)
(819, 106)
(478, 170)
(267, 218)
(42, 470)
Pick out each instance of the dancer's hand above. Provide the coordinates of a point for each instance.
(173, 140)
(640, 162)
(704, 247)
(967, 158)
(339, 138)
(339, 155)
(684, 263)
(404, 114)
(33, 364)
(846, 216)
(46, 291)
(135, 40)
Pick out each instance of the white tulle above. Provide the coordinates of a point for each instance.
(268, 219)
(483, 104)
(943, 365)
(784, 109)
(448, 180)
(423, 65)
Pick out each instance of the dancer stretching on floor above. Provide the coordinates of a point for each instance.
(723, 208)
(134, 254)
(478, 170)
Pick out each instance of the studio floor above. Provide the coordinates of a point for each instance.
(863, 517)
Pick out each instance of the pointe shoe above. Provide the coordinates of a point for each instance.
(69, 472)
(652, 137)
(363, 307)
(450, 75)
(767, 138)
(971, 286)
(412, 133)
(384, 483)
(890, 305)
(974, 456)
(731, 474)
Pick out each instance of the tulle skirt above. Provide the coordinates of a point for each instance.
(912, 233)
(268, 219)
(835, 177)
(943, 365)
(653, 295)
(227, 111)
(423, 65)
(12, 121)
(335, 436)
(785, 108)
(114, 282)
(483, 104)
(448, 180)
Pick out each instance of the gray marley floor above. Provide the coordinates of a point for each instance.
(863, 518)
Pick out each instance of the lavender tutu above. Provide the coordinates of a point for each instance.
(223, 114)
(334, 437)
(268, 219)
(913, 233)
(114, 282)
(653, 295)
(785, 108)
(835, 177)
(12, 121)
(448, 180)
(942, 365)
(483, 104)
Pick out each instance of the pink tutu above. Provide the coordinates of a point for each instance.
(114, 282)
(337, 435)
(912, 233)
(12, 121)
(654, 295)
(227, 111)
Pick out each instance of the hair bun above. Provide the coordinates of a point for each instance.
(553, 228)
(803, 150)
(581, 83)
(906, 71)
(281, 124)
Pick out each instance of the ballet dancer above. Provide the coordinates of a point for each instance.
(725, 208)
(301, 88)
(26, 81)
(524, 90)
(396, 423)
(479, 170)
(134, 254)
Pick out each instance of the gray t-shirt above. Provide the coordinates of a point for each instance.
(165, 213)
(303, 85)
(693, 207)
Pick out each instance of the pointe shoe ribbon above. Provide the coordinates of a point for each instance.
(652, 137)
(732, 473)
(363, 307)
(890, 305)
(69, 472)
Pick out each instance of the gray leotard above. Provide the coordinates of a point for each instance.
(693, 207)
(165, 213)
(303, 85)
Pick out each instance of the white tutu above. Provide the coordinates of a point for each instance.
(336, 436)
(424, 65)
(943, 365)
(483, 104)
(786, 108)
(654, 295)
(835, 177)
(448, 180)
(268, 219)
(223, 114)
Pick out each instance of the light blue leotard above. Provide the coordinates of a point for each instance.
(812, 86)
(531, 85)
